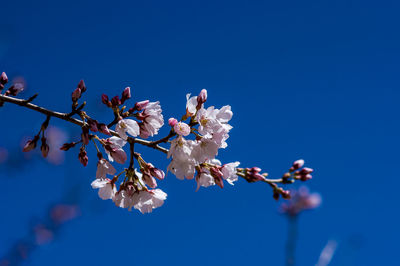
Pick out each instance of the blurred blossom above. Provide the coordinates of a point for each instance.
(56, 137)
(327, 253)
(18, 85)
(3, 155)
(40, 234)
(43, 234)
(301, 200)
(63, 213)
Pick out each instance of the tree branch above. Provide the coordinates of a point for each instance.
(66, 117)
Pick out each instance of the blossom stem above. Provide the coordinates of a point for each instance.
(164, 139)
(266, 180)
(116, 177)
(97, 148)
(132, 151)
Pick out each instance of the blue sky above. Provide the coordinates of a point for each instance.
(316, 80)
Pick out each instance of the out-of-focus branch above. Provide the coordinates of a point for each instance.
(291, 241)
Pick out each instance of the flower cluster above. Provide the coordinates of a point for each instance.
(195, 158)
(194, 142)
(133, 191)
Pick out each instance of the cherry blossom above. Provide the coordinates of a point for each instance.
(146, 201)
(182, 129)
(229, 172)
(104, 168)
(191, 105)
(127, 126)
(139, 197)
(182, 164)
(204, 149)
(204, 179)
(106, 188)
(213, 123)
(152, 118)
(113, 147)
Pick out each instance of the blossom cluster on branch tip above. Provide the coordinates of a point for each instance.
(194, 142)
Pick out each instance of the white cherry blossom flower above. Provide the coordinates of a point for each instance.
(204, 180)
(143, 200)
(224, 115)
(229, 172)
(146, 201)
(213, 123)
(182, 164)
(113, 148)
(107, 189)
(104, 167)
(127, 126)
(153, 119)
(182, 168)
(181, 148)
(205, 149)
(191, 104)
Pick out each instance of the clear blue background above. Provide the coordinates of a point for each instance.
(317, 80)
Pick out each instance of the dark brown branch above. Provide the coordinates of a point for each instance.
(66, 117)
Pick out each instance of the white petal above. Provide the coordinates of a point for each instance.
(117, 141)
(99, 183)
(132, 127)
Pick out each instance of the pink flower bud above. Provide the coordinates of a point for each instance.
(172, 122)
(105, 100)
(298, 164)
(285, 194)
(149, 180)
(103, 129)
(82, 86)
(306, 170)
(217, 174)
(182, 129)
(83, 158)
(157, 173)
(92, 124)
(44, 148)
(126, 94)
(253, 174)
(141, 105)
(3, 80)
(115, 101)
(15, 89)
(202, 98)
(30, 144)
(305, 177)
(67, 146)
(255, 169)
(76, 94)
